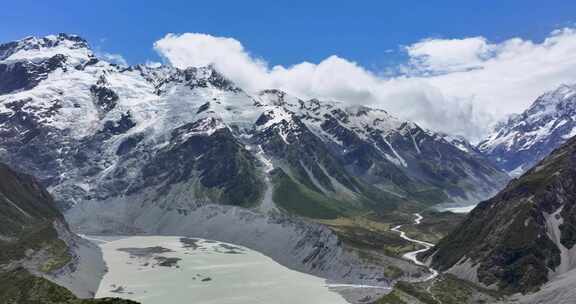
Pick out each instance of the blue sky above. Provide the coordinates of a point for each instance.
(288, 32)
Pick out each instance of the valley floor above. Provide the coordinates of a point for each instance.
(413, 255)
(436, 288)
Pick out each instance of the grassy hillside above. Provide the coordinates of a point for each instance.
(27, 216)
(445, 289)
(20, 287)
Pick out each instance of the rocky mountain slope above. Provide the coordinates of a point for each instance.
(37, 250)
(524, 139)
(524, 236)
(79, 122)
(163, 150)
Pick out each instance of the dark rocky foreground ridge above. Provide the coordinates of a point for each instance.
(30, 245)
(20, 287)
(524, 236)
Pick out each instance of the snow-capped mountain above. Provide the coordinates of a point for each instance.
(55, 117)
(524, 139)
(169, 151)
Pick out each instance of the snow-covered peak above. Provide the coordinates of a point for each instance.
(163, 77)
(314, 112)
(273, 117)
(208, 76)
(205, 126)
(553, 103)
(459, 142)
(34, 49)
(276, 97)
(155, 73)
(545, 125)
(366, 117)
(548, 112)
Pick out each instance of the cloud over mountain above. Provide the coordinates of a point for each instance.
(459, 86)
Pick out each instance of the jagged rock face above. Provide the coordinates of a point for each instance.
(400, 157)
(26, 75)
(524, 139)
(217, 161)
(93, 130)
(522, 237)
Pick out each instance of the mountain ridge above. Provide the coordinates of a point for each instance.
(521, 238)
(161, 150)
(322, 118)
(522, 140)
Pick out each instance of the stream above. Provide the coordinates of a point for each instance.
(412, 255)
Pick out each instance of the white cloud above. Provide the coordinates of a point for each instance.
(227, 54)
(514, 73)
(113, 58)
(449, 55)
(457, 86)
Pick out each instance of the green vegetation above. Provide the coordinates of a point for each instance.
(507, 236)
(394, 297)
(27, 216)
(445, 289)
(434, 226)
(428, 196)
(31, 238)
(58, 256)
(245, 187)
(228, 167)
(407, 293)
(219, 168)
(513, 250)
(423, 295)
(393, 272)
(298, 199)
(451, 290)
(20, 287)
(370, 235)
(537, 179)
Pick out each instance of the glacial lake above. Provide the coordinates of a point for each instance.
(166, 269)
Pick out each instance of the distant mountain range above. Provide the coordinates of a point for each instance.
(524, 139)
(74, 121)
(128, 150)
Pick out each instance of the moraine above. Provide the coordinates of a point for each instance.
(151, 269)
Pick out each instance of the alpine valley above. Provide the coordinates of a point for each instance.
(518, 246)
(319, 186)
